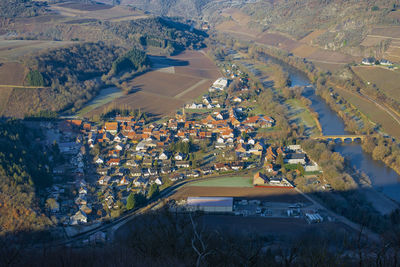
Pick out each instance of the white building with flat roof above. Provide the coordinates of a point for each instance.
(210, 204)
(219, 85)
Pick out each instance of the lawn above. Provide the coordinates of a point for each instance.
(105, 96)
(300, 114)
(227, 182)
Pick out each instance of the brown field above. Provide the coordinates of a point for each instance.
(13, 50)
(372, 40)
(234, 28)
(5, 93)
(394, 14)
(304, 50)
(332, 57)
(101, 12)
(267, 194)
(238, 16)
(393, 52)
(374, 113)
(177, 80)
(328, 66)
(278, 40)
(387, 80)
(308, 39)
(12, 73)
(85, 7)
(164, 84)
(393, 31)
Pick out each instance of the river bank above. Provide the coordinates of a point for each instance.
(383, 178)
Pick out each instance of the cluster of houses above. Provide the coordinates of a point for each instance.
(129, 155)
(373, 61)
(291, 155)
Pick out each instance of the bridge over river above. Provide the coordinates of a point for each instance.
(340, 137)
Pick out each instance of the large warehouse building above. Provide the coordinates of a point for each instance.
(210, 204)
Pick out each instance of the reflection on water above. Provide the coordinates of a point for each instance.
(382, 177)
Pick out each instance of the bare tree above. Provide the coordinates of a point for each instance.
(198, 243)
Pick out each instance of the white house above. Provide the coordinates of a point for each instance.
(99, 160)
(368, 61)
(179, 156)
(295, 158)
(385, 62)
(119, 147)
(79, 217)
(158, 181)
(237, 99)
(82, 191)
(104, 180)
(163, 156)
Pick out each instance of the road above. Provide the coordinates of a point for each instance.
(113, 226)
(21, 86)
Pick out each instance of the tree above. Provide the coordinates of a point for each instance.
(153, 191)
(130, 201)
(51, 204)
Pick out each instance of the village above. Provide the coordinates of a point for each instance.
(104, 163)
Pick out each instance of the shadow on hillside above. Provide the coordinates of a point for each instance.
(159, 62)
(161, 238)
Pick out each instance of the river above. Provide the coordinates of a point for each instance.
(383, 178)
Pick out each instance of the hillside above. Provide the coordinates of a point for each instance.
(64, 60)
(185, 8)
(22, 172)
(21, 8)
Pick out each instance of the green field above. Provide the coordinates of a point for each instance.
(105, 96)
(227, 182)
(301, 115)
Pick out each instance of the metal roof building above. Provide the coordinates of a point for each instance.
(210, 204)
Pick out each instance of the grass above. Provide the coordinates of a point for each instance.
(234, 181)
(105, 96)
(301, 115)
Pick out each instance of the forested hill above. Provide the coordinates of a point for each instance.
(24, 168)
(21, 8)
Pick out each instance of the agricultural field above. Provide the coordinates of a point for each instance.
(96, 11)
(171, 83)
(227, 182)
(5, 93)
(13, 50)
(386, 80)
(309, 38)
(268, 194)
(375, 114)
(330, 60)
(12, 73)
